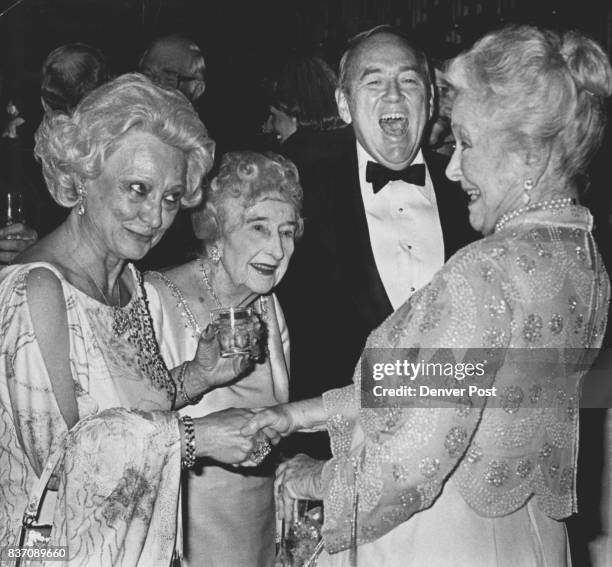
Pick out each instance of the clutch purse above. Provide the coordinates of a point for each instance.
(301, 544)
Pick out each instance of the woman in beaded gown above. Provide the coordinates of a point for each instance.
(479, 480)
(77, 348)
(248, 228)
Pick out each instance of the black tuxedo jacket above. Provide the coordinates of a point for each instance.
(332, 295)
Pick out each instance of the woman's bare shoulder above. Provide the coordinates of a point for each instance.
(180, 276)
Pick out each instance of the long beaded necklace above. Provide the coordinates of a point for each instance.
(133, 323)
(550, 205)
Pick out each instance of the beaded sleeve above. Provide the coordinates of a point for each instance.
(536, 288)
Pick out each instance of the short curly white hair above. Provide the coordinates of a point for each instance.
(248, 176)
(544, 89)
(74, 148)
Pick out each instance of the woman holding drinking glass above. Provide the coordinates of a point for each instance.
(248, 228)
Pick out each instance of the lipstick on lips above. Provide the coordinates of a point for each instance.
(264, 269)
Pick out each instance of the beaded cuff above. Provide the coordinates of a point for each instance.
(189, 459)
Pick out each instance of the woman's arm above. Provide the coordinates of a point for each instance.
(284, 419)
(207, 371)
(217, 435)
(47, 308)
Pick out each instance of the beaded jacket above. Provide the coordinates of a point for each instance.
(535, 287)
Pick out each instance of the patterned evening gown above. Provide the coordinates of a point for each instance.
(119, 481)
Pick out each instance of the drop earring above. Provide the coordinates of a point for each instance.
(81, 201)
(215, 254)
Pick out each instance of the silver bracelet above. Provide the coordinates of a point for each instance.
(180, 387)
(189, 459)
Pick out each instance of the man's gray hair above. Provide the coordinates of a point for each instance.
(356, 41)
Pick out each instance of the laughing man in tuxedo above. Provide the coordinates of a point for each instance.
(380, 220)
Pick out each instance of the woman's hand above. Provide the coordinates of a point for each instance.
(284, 419)
(275, 422)
(218, 436)
(297, 478)
(208, 370)
(15, 238)
(258, 338)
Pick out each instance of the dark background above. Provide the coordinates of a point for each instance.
(243, 39)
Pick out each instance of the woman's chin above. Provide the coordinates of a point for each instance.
(136, 254)
(476, 221)
(263, 290)
(262, 287)
(479, 221)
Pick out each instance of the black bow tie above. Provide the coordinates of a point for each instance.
(379, 175)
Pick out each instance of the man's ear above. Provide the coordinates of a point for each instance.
(343, 106)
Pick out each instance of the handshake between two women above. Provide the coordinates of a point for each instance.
(244, 436)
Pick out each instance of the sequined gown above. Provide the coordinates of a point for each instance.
(228, 513)
(119, 482)
(481, 484)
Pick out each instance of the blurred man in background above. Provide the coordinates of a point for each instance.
(175, 62)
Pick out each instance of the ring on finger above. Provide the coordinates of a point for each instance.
(260, 452)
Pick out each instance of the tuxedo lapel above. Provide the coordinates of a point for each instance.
(358, 267)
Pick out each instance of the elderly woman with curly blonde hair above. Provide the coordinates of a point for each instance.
(77, 348)
(248, 227)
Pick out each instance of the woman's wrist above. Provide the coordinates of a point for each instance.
(189, 388)
(194, 387)
(202, 438)
(308, 415)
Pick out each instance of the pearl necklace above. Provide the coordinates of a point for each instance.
(208, 285)
(550, 205)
